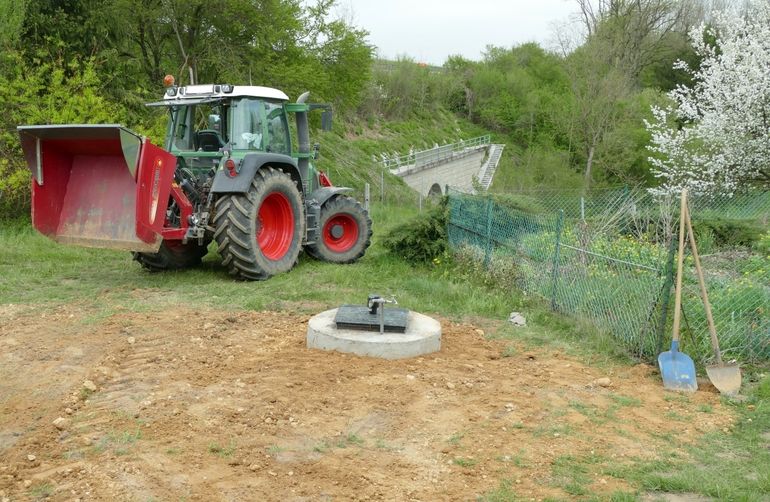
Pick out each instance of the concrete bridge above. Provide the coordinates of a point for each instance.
(456, 165)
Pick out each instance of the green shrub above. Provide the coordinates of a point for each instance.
(422, 239)
(729, 233)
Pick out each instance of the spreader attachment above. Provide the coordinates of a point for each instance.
(98, 185)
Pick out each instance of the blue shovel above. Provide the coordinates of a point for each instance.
(677, 368)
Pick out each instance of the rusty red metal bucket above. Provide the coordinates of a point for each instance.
(98, 185)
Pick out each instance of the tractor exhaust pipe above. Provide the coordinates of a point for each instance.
(303, 136)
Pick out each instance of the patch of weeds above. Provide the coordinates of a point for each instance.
(322, 447)
(676, 397)
(126, 437)
(85, 393)
(509, 351)
(733, 465)
(380, 444)
(705, 408)
(503, 493)
(41, 491)
(465, 462)
(552, 430)
(571, 475)
(517, 425)
(120, 451)
(173, 451)
(675, 416)
(351, 439)
(518, 460)
(73, 455)
(275, 449)
(455, 438)
(222, 451)
(625, 400)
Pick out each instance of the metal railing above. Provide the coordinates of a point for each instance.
(435, 155)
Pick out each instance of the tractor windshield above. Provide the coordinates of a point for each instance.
(196, 128)
(256, 124)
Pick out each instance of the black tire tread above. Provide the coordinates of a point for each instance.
(172, 258)
(342, 204)
(235, 230)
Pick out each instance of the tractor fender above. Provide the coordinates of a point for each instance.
(321, 195)
(249, 167)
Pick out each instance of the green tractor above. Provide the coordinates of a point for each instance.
(228, 172)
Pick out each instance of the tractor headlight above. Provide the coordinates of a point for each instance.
(227, 88)
(171, 91)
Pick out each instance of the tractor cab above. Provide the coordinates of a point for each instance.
(205, 120)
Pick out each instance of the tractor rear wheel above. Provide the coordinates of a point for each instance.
(172, 255)
(346, 231)
(260, 233)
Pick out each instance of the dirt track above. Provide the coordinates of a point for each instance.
(231, 406)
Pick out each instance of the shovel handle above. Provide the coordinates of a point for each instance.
(680, 261)
(704, 294)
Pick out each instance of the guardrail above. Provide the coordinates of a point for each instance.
(434, 155)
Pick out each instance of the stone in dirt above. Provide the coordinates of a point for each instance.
(603, 382)
(517, 319)
(89, 385)
(61, 423)
(31, 458)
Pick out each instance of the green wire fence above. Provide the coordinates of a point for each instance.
(608, 257)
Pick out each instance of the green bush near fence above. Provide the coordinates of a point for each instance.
(608, 258)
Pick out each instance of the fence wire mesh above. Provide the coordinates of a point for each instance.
(608, 257)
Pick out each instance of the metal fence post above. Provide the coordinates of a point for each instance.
(559, 226)
(488, 249)
(382, 186)
(366, 196)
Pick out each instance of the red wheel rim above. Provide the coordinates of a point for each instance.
(276, 226)
(340, 233)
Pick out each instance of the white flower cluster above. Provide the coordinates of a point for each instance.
(716, 135)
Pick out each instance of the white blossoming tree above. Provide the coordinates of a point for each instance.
(715, 136)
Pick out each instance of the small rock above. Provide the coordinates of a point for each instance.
(208, 326)
(131, 340)
(479, 332)
(27, 483)
(89, 385)
(61, 423)
(510, 406)
(272, 473)
(517, 319)
(410, 377)
(31, 458)
(603, 382)
(68, 411)
(254, 467)
(450, 385)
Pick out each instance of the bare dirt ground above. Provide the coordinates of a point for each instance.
(214, 405)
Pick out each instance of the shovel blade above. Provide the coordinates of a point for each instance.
(726, 378)
(678, 371)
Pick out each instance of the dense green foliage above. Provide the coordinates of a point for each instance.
(422, 239)
(571, 118)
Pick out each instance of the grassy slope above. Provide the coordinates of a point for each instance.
(346, 152)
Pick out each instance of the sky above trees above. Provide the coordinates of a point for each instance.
(430, 31)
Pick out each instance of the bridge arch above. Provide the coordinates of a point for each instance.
(435, 191)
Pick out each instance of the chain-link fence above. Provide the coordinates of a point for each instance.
(608, 257)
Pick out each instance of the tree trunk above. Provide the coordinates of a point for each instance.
(589, 164)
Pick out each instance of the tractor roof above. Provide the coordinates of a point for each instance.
(197, 92)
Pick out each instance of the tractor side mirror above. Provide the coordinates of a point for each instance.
(326, 120)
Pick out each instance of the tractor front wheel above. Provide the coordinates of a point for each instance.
(172, 255)
(345, 231)
(260, 233)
